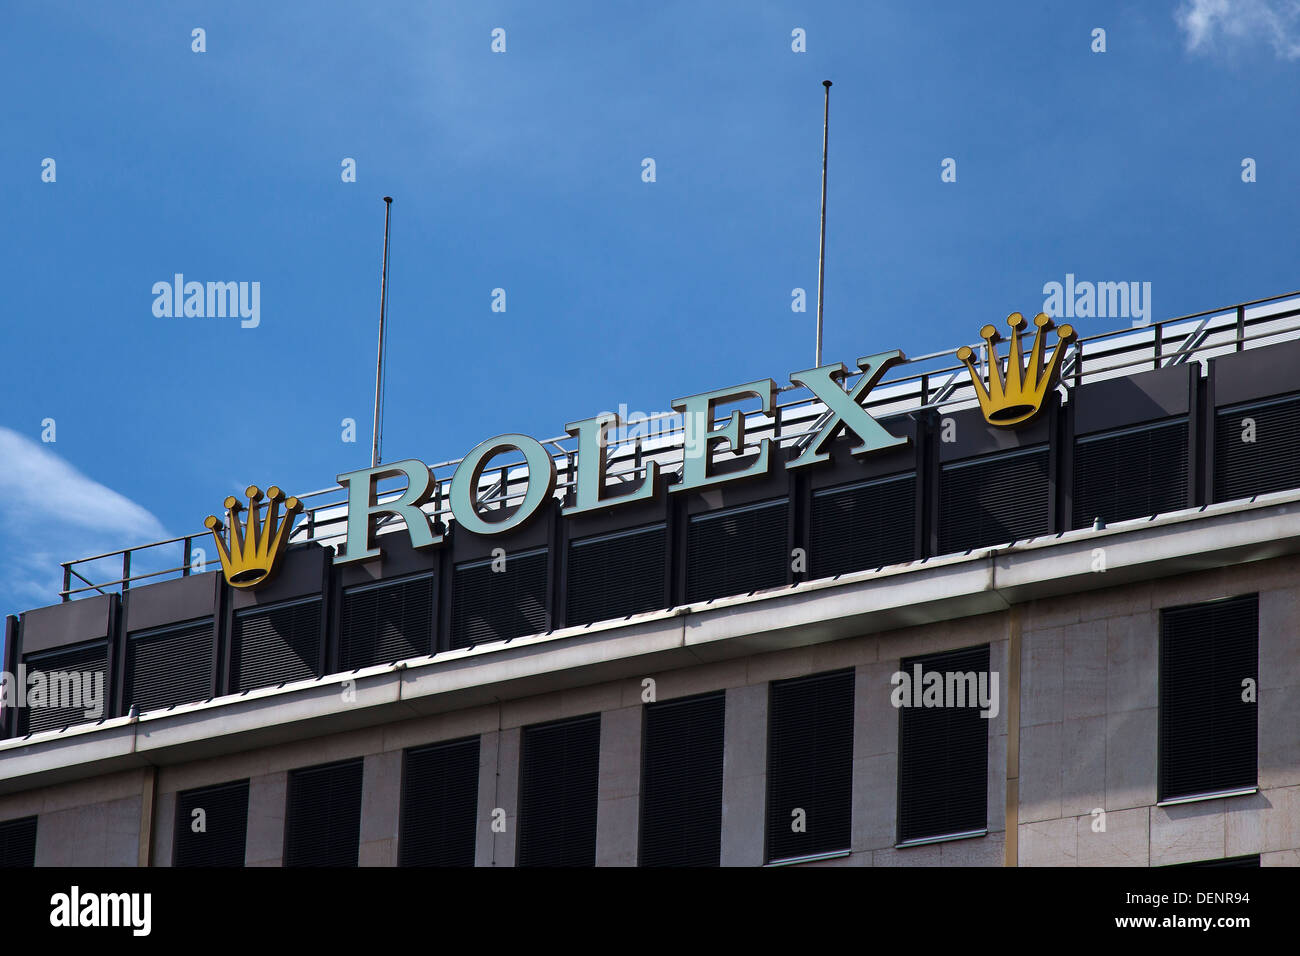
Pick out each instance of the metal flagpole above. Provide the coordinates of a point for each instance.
(821, 251)
(379, 366)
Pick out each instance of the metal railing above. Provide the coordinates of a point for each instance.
(927, 383)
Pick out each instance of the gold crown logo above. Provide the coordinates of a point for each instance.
(1017, 396)
(253, 555)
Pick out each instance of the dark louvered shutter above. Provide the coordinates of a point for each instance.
(18, 842)
(440, 804)
(810, 765)
(737, 551)
(993, 500)
(681, 782)
(1260, 458)
(490, 605)
(614, 575)
(223, 823)
(169, 666)
(323, 826)
(277, 645)
(72, 676)
(386, 622)
(864, 525)
(1207, 732)
(558, 791)
(1130, 474)
(943, 751)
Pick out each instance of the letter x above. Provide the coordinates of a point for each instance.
(846, 407)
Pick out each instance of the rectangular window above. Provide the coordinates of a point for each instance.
(681, 782)
(737, 551)
(499, 599)
(1257, 448)
(864, 525)
(276, 645)
(383, 623)
(943, 745)
(559, 777)
(810, 765)
(18, 842)
(993, 500)
(323, 822)
(211, 826)
(169, 666)
(1208, 726)
(74, 676)
(440, 804)
(1131, 473)
(614, 575)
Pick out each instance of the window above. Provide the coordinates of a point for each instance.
(1257, 448)
(1131, 473)
(382, 623)
(1207, 728)
(737, 551)
(211, 826)
(559, 777)
(492, 602)
(614, 575)
(810, 765)
(323, 823)
(681, 782)
(276, 645)
(864, 525)
(440, 804)
(943, 746)
(73, 676)
(169, 666)
(18, 842)
(993, 500)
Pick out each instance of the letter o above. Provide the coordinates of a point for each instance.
(464, 483)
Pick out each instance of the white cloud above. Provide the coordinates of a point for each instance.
(1213, 24)
(51, 512)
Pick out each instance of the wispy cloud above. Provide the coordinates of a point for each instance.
(51, 512)
(1221, 24)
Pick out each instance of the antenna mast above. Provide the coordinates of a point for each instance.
(821, 251)
(379, 366)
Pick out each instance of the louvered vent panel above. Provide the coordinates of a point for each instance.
(1131, 474)
(1208, 734)
(993, 501)
(560, 763)
(861, 526)
(18, 842)
(810, 765)
(73, 679)
(386, 622)
(168, 667)
(616, 575)
(1257, 449)
(737, 551)
(490, 605)
(944, 751)
(211, 826)
(440, 804)
(323, 824)
(681, 782)
(277, 645)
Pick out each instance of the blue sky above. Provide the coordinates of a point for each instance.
(522, 170)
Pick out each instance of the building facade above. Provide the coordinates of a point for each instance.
(1073, 642)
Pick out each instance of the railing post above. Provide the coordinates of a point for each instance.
(185, 570)
(1078, 362)
(925, 388)
(1241, 327)
(1159, 341)
(67, 582)
(126, 570)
